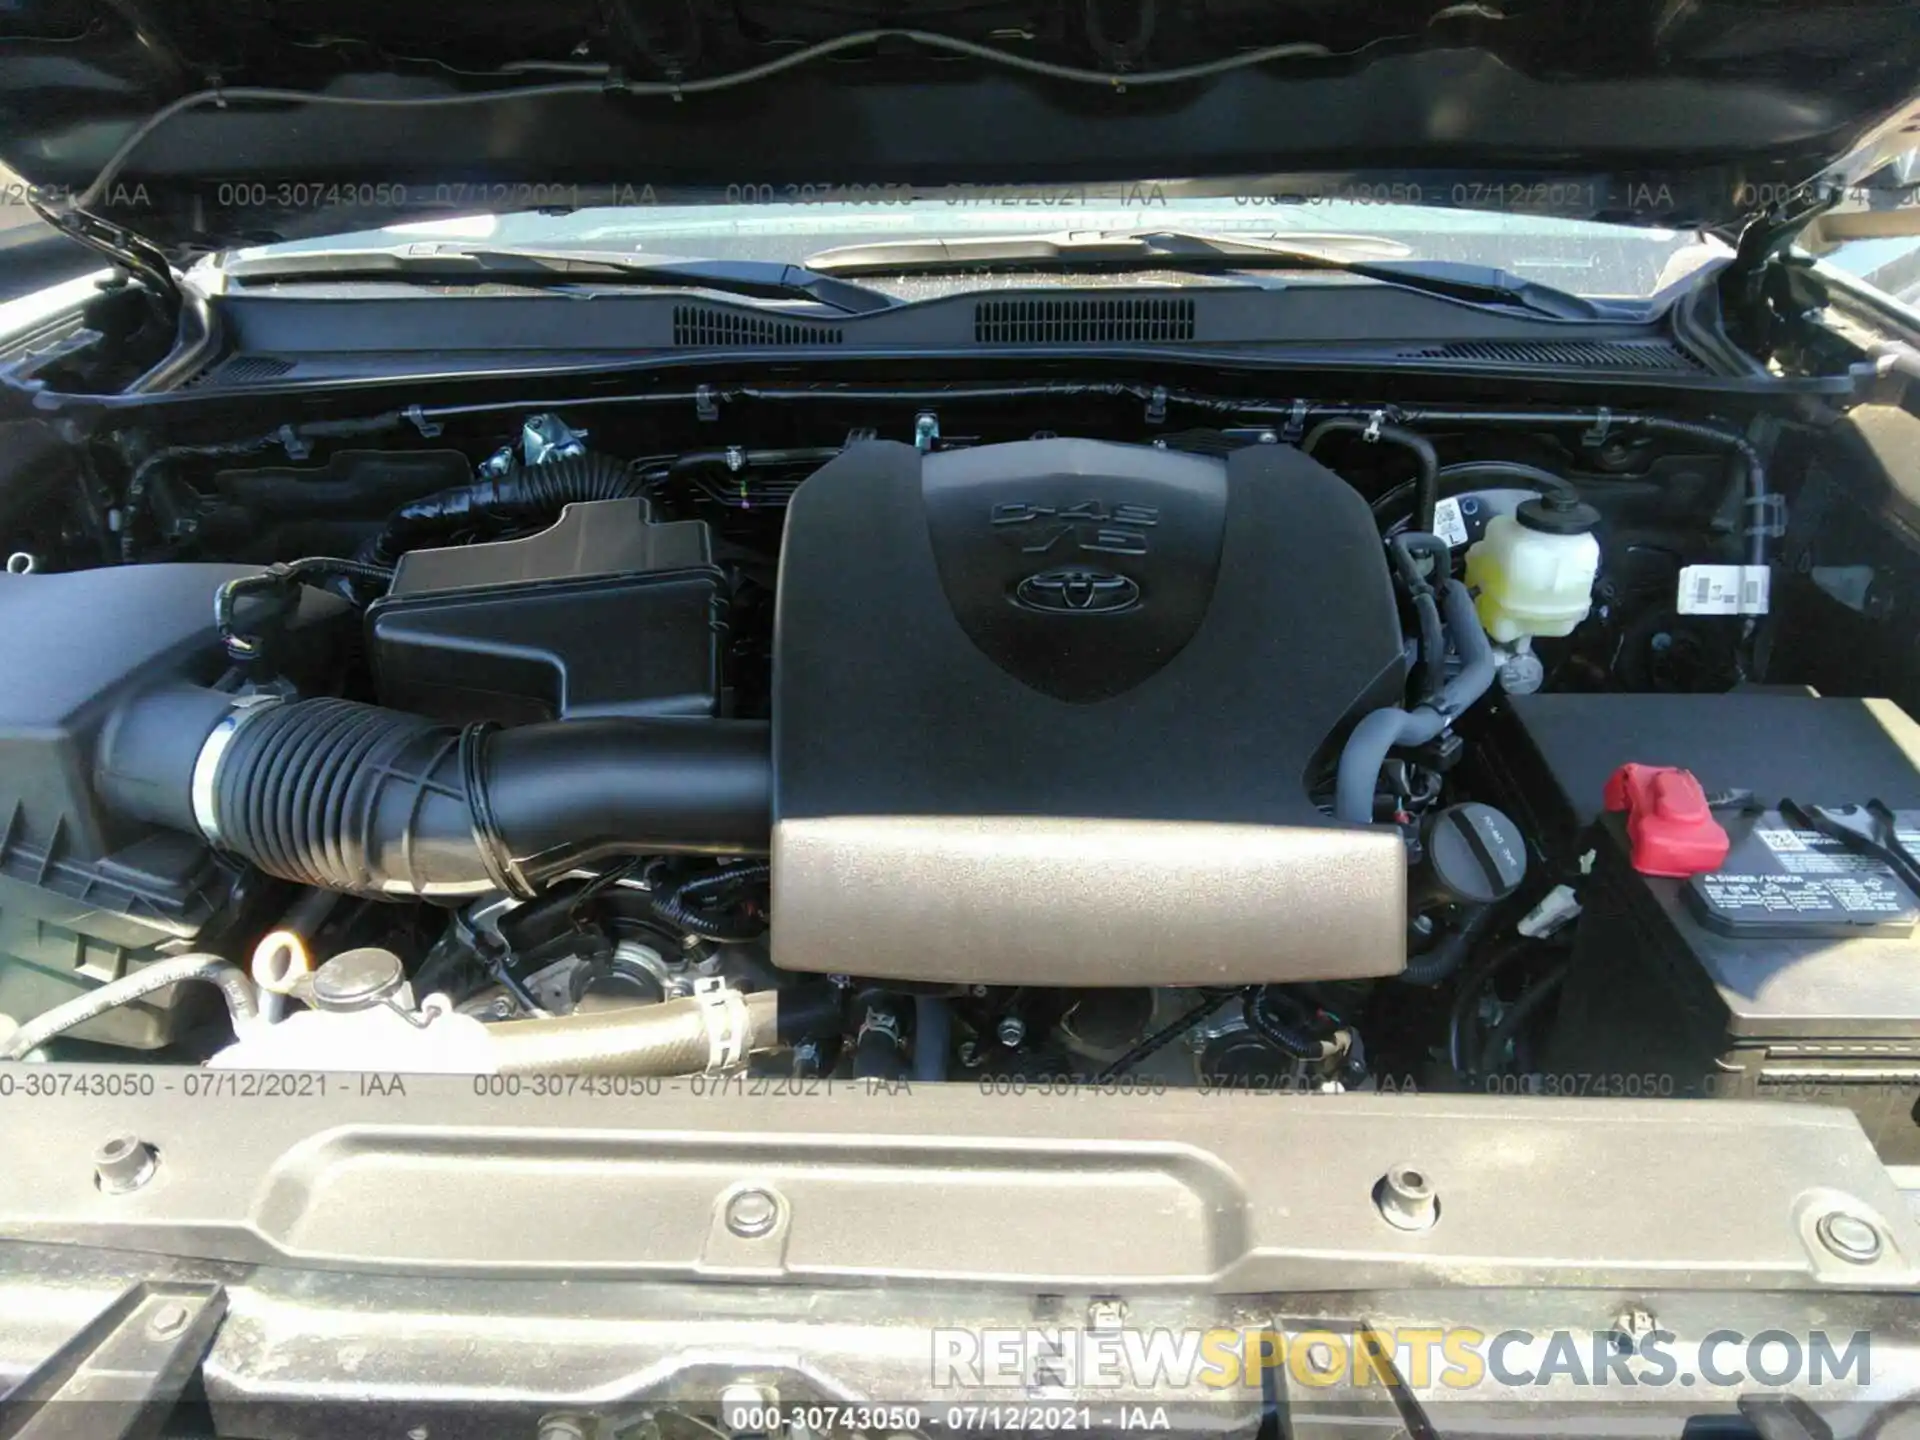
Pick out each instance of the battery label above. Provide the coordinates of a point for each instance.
(1757, 896)
(1808, 852)
(1780, 880)
(1723, 590)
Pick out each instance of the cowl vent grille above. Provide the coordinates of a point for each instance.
(240, 370)
(705, 326)
(1572, 354)
(1124, 319)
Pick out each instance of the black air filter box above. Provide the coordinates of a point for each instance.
(603, 613)
(85, 893)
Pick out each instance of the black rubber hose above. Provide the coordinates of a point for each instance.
(1365, 750)
(1164, 1036)
(1290, 1039)
(1468, 475)
(377, 802)
(1759, 522)
(1433, 648)
(681, 905)
(811, 1011)
(1536, 995)
(932, 1036)
(1462, 1022)
(572, 792)
(1448, 952)
(879, 1045)
(1406, 548)
(1409, 545)
(525, 492)
(1428, 491)
(736, 460)
(1759, 500)
(282, 578)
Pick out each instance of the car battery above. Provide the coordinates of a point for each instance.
(1791, 972)
(1545, 759)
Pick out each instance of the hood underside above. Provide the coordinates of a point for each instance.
(1660, 112)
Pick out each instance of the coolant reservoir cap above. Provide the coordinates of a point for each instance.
(357, 979)
(1558, 512)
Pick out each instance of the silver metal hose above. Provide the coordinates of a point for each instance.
(712, 1030)
(243, 1007)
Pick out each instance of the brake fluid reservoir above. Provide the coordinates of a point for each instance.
(1533, 572)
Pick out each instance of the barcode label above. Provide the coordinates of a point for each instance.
(1449, 524)
(1723, 590)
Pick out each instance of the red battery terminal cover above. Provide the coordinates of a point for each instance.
(1669, 824)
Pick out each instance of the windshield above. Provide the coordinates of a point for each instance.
(791, 223)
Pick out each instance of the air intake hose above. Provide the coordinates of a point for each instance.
(373, 801)
(526, 492)
(1378, 732)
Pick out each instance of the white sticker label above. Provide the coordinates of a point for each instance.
(1448, 523)
(1723, 590)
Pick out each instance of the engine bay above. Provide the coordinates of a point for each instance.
(1016, 740)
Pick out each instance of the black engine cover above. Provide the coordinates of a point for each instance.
(1048, 573)
(1071, 627)
(1071, 630)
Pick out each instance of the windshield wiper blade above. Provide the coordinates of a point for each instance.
(466, 264)
(1365, 256)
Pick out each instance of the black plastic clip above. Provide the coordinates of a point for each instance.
(297, 446)
(706, 404)
(1441, 753)
(1157, 406)
(1770, 515)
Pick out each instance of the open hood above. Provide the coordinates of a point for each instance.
(201, 124)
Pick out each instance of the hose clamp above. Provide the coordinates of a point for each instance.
(501, 868)
(204, 788)
(723, 1011)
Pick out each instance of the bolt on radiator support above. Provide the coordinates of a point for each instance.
(1406, 1199)
(123, 1164)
